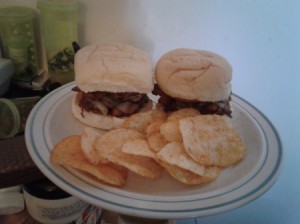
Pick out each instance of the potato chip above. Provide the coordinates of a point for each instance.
(156, 141)
(69, 154)
(113, 140)
(174, 154)
(185, 176)
(139, 147)
(185, 112)
(88, 138)
(140, 121)
(140, 165)
(153, 127)
(211, 140)
(110, 146)
(170, 129)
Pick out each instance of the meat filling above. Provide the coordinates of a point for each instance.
(172, 104)
(114, 104)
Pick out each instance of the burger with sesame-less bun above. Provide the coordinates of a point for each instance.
(112, 82)
(189, 78)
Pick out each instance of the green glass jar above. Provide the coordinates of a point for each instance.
(19, 41)
(59, 30)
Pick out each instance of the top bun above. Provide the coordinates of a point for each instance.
(194, 75)
(113, 68)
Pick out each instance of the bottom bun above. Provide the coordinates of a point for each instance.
(105, 122)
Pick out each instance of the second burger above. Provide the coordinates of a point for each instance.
(190, 78)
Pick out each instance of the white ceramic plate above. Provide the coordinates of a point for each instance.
(51, 120)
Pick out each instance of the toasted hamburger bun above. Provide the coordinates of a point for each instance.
(113, 68)
(194, 75)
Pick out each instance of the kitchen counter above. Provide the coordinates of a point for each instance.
(16, 166)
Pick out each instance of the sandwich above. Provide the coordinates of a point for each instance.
(189, 78)
(112, 82)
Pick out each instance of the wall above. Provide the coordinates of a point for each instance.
(259, 38)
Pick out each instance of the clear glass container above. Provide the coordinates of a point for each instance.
(18, 38)
(59, 30)
(6, 71)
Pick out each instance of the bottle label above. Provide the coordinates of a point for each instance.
(55, 213)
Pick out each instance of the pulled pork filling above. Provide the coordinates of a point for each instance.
(172, 104)
(107, 103)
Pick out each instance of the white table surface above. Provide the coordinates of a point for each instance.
(261, 40)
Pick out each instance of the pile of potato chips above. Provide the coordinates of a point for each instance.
(191, 147)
